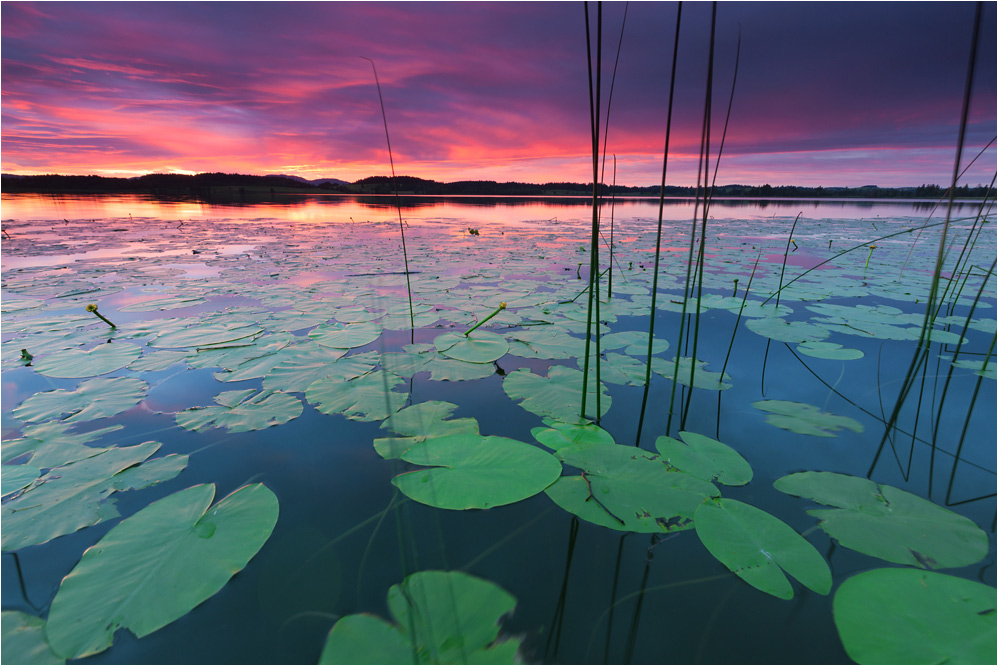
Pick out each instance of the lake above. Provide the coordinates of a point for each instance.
(275, 345)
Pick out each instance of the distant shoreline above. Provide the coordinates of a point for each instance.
(236, 186)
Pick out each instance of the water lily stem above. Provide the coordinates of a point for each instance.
(92, 307)
(502, 306)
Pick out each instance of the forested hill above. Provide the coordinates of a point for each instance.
(208, 184)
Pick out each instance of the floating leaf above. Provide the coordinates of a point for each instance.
(472, 471)
(52, 445)
(478, 347)
(92, 399)
(628, 489)
(418, 423)
(441, 617)
(158, 360)
(24, 640)
(346, 336)
(760, 548)
(560, 435)
(888, 523)
(169, 303)
(908, 616)
(76, 363)
(547, 342)
(366, 398)
(16, 477)
(705, 458)
(635, 343)
(443, 369)
(207, 335)
(75, 496)
(157, 565)
(559, 395)
(239, 411)
(805, 419)
(297, 373)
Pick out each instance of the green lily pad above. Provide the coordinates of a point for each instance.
(548, 342)
(888, 523)
(76, 363)
(441, 617)
(560, 435)
(760, 548)
(419, 422)
(158, 360)
(346, 336)
(51, 444)
(24, 640)
(240, 411)
(93, 399)
(705, 458)
(444, 369)
(628, 489)
(366, 398)
(829, 350)
(805, 419)
(308, 365)
(169, 303)
(478, 347)
(207, 335)
(634, 343)
(559, 395)
(15, 477)
(157, 565)
(472, 471)
(908, 616)
(77, 495)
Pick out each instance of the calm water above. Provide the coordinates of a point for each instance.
(600, 596)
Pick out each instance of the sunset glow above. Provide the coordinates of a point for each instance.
(827, 94)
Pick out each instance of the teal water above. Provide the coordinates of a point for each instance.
(585, 593)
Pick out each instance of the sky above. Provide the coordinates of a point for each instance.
(827, 93)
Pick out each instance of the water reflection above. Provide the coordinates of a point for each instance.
(333, 207)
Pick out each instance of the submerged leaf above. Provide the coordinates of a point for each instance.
(805, 419)
(759, 548)
(157, 565)
(908, 616)
(888, 523)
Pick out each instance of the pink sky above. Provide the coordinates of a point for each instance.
(828, 94)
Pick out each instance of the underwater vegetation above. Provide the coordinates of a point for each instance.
(800, 409)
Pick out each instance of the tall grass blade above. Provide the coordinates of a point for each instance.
(658, 235)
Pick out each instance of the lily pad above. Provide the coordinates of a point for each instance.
(77, 495)
(346, 336)
(908, 616)
(560, 435)
(805, 419)
(419, 422)
(760, 548)
(441, 617)
(472, 471)
(702, 379)
(312, 363)
(24, 640)
(705, 458)
(240, 411)
(628, 489)
(157, 565)
(76, 363)
(888, 523)
(829, 350)
(559, 395)
(206, 335)
(15, 477)
(777, 328)
(93, 399)
(478, 347)
(366, 398)
(51, 444)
